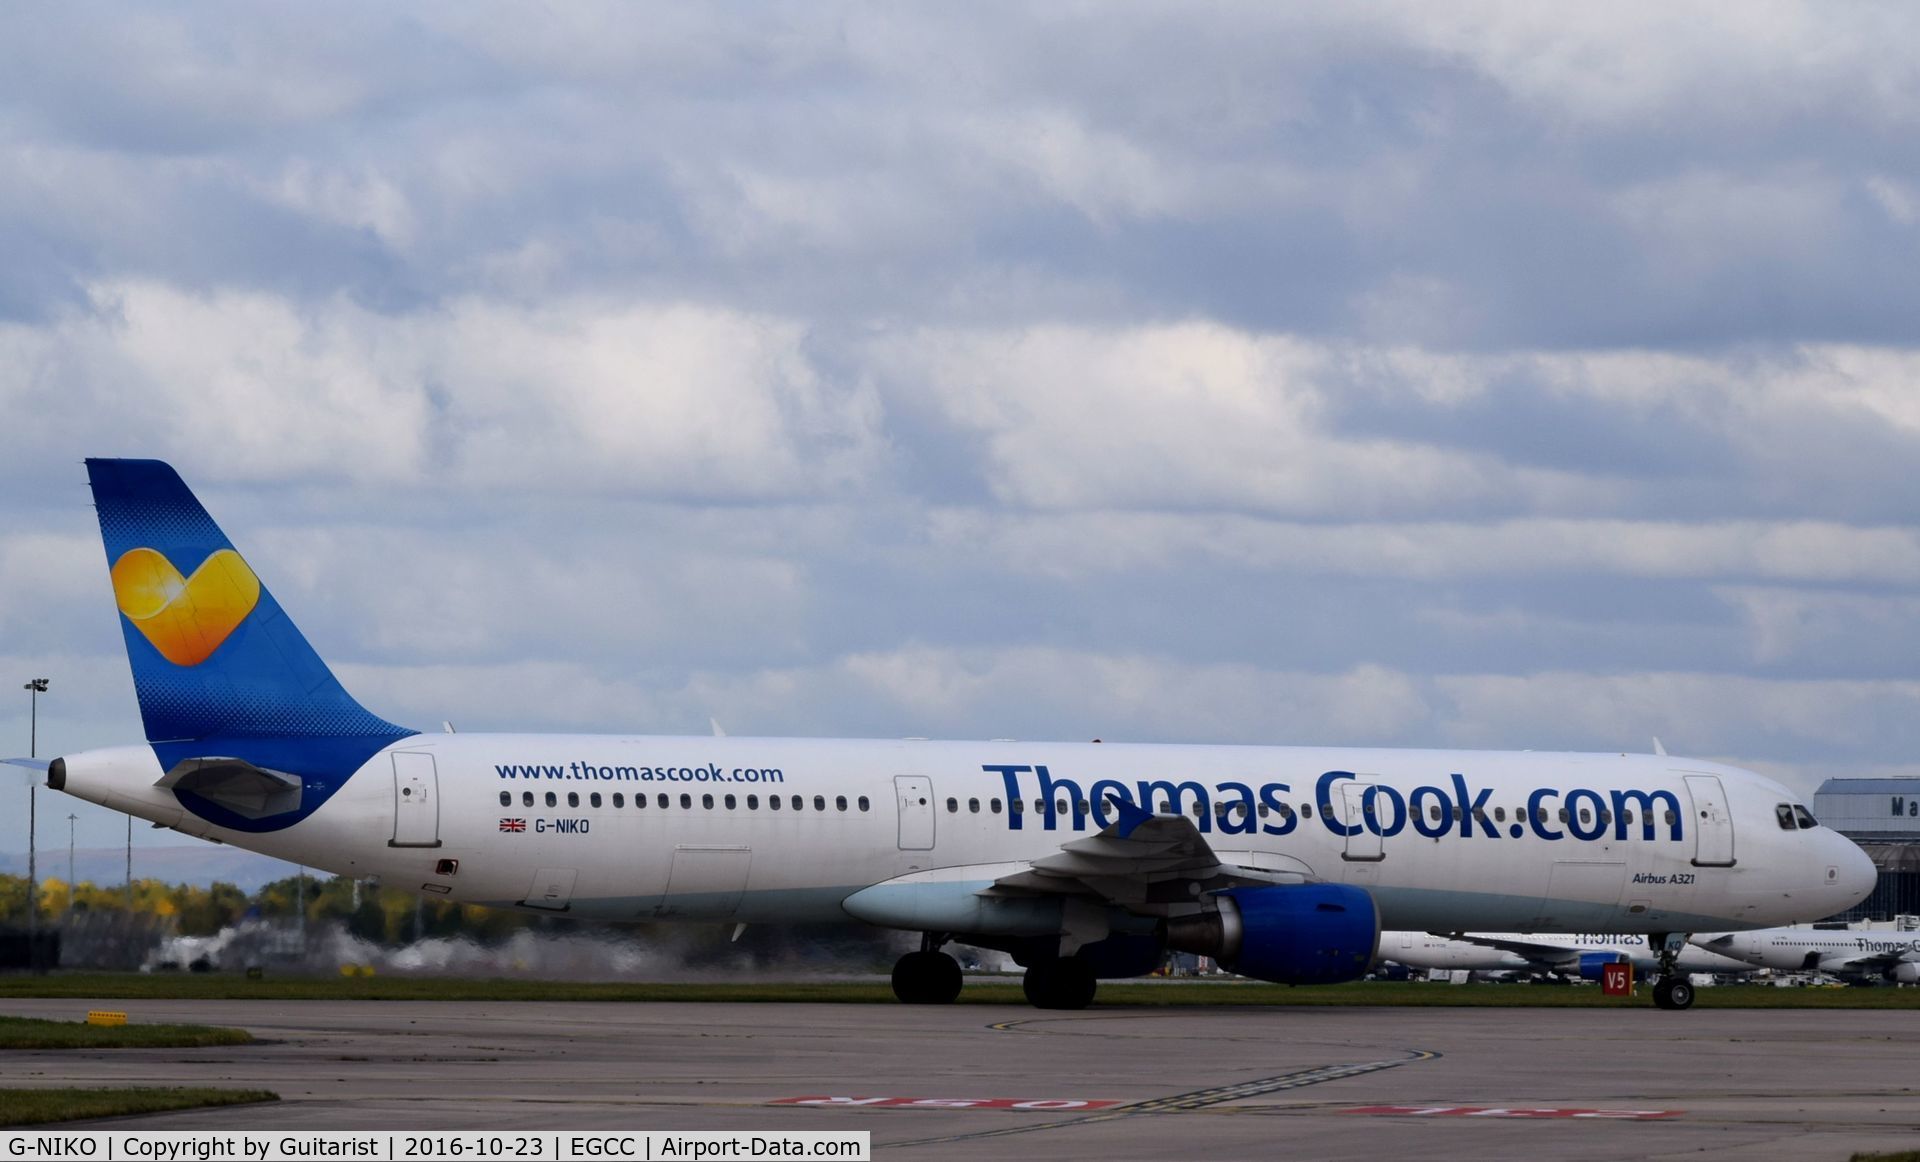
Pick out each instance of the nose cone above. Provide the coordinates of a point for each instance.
(1854, 875)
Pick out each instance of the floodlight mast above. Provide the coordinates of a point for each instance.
(34, 688)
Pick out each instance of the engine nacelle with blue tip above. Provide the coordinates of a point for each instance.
(1594, 964)
(1288, 934)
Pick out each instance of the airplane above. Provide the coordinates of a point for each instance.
(1579, 956)
(1858, 955)
(1083, 861)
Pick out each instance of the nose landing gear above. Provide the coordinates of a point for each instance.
(929, 976)
(1673, 990)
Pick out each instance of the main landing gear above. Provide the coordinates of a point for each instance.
(1063, 983)
(929, 976)
(1673, 990)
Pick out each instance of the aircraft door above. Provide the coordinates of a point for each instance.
(1365, 844)
(416, 800)
(1581, 895)
(706, 882)
(914, 794)
(552, 889)
(1712, 824)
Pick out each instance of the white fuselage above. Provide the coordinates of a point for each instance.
(1448, 840)
(1845, 953)
(1480, 953)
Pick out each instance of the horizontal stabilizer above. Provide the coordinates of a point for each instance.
(236, 784)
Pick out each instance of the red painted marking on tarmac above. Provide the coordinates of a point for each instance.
(1031, 1105)
(1514, 1112)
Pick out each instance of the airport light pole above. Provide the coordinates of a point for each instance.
(34, 687)
(71, 819)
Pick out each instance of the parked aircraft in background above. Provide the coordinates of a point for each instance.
(1082, 861)
(1576, 956)
(1851, 954)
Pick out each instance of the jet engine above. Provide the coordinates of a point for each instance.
(1288, 934)
(1594, 964)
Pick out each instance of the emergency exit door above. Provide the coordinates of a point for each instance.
(914, 794)
(416, 800)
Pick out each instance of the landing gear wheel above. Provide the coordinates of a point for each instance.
(1059, 984)
(926, 978)
(1673, 993)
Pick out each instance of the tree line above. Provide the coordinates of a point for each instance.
(386, 917)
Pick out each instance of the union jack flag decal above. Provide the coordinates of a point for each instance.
(513, 825)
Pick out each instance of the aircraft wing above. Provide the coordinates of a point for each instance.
(1141, 858)
(1866, 964)
(1555, 957)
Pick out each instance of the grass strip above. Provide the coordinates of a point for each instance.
(978, 990)
(27, 1107)
(32, 1033)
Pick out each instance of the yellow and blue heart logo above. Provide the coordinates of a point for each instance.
(185, 618)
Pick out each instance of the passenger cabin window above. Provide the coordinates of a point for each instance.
(863, 802)
(753, 802)
(773, 802)
(662, 800)
(526, 798)
(573, 798)
(798, 802)
(819, 802)
(992, 805)
(953, 805)
(1784, 813)
(706, 801)
(1804, 816)
(593, 800)
(839, 802)
(973, 806)
(506, 798)
(553, 800)
(619, 800)
(729, 802)
(686, 801)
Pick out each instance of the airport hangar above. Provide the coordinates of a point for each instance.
(1883, 817)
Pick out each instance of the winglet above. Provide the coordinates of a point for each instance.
(1127, 815)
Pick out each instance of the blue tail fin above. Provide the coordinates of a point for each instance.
(213, 654)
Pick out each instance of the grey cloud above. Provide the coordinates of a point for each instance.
(1483, 373)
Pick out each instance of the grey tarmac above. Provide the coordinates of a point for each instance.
(1215, 1083)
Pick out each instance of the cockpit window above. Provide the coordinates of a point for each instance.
(1804, 816)
(1784, 813)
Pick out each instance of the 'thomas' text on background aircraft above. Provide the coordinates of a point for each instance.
(1575, 956)
(1851, 954)
(1081, 860)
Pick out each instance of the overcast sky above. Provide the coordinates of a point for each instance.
(1520, 376)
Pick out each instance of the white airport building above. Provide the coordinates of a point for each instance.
(1883, 817)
